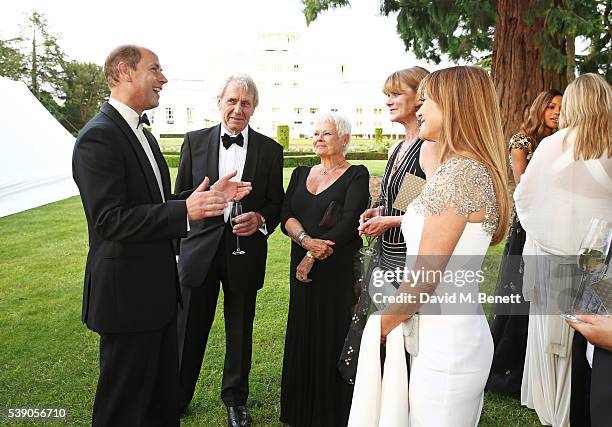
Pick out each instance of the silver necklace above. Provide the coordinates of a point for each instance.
(324, 171)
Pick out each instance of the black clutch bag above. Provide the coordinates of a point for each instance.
(331, 215)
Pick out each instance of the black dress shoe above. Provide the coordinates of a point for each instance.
(237, 416)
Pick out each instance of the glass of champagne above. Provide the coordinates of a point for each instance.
(380, 206)
(593, 260)
(236, 211)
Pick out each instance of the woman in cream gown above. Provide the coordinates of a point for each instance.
(460, 212)
(566, 184)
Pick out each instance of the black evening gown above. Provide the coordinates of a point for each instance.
(312, 391)
(509, 329)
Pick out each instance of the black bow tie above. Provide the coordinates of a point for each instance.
(143, 119)
(229, 140)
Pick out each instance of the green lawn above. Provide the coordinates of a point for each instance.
(49, 359)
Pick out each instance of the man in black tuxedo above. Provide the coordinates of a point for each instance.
(131, 281)
(206, 258)
(591, 399)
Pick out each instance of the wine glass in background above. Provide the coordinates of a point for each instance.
(235, 212)
(380, 205)
(593, 260)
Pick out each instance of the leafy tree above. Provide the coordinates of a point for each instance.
(529, 44)
(36, 58)
(45, 62)
(12, 61)
(84, 89)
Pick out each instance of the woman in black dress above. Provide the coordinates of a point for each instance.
(411, 155)
(510, 325)
(321, 213)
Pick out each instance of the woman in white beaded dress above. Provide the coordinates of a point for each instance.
(462, 210)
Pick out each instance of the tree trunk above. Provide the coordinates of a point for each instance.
(516, 66)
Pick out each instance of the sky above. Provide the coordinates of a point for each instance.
(188, 36)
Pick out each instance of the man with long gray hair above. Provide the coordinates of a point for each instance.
(208, 259)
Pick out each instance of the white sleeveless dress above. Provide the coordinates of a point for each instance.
(455, 351)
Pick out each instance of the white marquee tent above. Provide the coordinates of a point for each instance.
(36, 152)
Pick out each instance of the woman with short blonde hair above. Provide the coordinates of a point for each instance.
(405, 157)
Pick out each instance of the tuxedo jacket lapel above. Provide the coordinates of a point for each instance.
(143, 160)
(250, 163)
(161, 163)
(212, 161)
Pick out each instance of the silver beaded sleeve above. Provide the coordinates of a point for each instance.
(464, 185)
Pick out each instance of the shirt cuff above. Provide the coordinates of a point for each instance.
(263, 229)
(188, 227)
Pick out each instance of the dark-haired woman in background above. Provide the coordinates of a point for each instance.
(509, 328)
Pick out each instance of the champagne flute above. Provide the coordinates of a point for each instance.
(380, 205)
(593, 259)
(236, 211)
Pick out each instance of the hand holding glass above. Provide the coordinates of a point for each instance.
(593, 260)
(380, 205)
(235, 212)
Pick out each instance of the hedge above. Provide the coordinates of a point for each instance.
(354, 155)
(292, 160)
(171, 135)
(172, 160)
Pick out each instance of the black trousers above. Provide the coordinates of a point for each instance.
(591, 400)
(194, 323)
(138, 383)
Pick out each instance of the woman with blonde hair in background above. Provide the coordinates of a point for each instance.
(567, 182)
(462, 209)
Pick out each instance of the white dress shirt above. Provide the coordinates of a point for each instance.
(131, 117)
(233, 159)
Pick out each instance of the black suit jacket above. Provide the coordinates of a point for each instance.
(131, 281)
(264, 169)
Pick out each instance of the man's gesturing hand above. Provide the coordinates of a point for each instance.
(231, 189)
(205, 204)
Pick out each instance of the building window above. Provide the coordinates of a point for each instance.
(358, 123)
(297, 110)
(314, 110)
(275, 109)
(151, 115)
(278, 84)
(378, 111)
(296, 67)
(333, 110)
(342, 69)
(297, 122)
(189, 114)
(278, 68)
(359, 110)
(296, 84)
(170, 115)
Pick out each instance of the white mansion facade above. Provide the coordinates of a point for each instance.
(294, 85)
